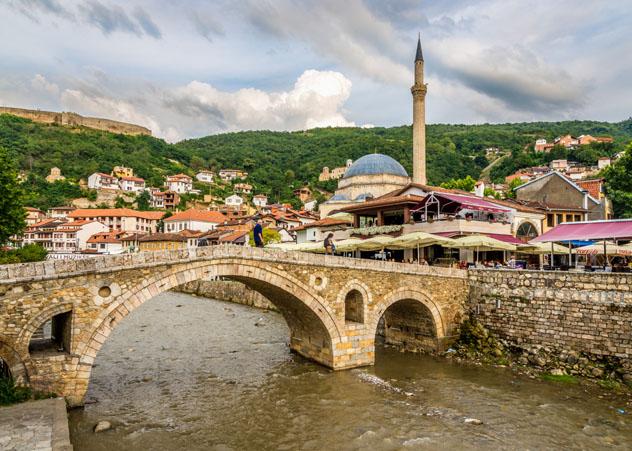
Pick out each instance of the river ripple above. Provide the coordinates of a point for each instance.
(193, 374)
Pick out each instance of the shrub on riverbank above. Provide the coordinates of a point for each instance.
(11, 393)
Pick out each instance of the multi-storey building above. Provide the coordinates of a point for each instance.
(124, 219)
(205, 176)
(179, 183)
(200, 220)
(99, 180)
(33, 215)
(132, 184)
(106, 243)
(62, 236)
(244, 188)
(122, 171)
(228, 175)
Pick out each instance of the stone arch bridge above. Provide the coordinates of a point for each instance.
(332, 305)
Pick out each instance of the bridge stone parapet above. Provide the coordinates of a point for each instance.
(332, 305)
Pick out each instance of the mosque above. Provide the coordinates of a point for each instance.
(375, 175)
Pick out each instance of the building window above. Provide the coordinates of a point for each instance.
(578, 218)
(569, 218)
(549, 220)
(526, 232)
(560, 218)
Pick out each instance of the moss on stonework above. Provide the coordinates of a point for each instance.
(562, 378)
(475, 342)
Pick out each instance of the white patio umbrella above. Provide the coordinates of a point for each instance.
(482, 243)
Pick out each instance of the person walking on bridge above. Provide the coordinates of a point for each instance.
(258, 234)
(330, 248)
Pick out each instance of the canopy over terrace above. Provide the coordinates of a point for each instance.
(613, 230)
(439, 204)
(604, 247)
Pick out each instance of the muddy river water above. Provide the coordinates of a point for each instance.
(187, 373)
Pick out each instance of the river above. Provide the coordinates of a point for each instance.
(188, 373)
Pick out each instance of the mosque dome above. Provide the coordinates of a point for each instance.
(338, 197)
(375, 164)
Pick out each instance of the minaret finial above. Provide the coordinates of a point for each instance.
(419, 56)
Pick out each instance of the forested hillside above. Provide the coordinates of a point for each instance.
(278, 162)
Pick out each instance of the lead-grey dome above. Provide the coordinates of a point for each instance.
(338, 197)
(375, 163)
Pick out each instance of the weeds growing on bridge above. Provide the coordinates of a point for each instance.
(11, 393)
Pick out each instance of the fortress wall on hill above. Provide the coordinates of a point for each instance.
(76, 120)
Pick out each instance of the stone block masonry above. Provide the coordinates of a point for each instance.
(332, 305)
(35, 425)
(229, 291)
(567, 312)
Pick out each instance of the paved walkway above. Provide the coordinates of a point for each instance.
(35, 425)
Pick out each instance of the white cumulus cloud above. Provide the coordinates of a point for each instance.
(316, 100)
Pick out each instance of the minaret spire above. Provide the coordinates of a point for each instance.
(419, 118)
(420, 55)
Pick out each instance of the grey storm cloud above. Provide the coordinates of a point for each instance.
(516, 77)
(109, 18)
(30, 8)
(146, 23)
(206, 25)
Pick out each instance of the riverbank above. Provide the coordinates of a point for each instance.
(35, 425)
(479, 346)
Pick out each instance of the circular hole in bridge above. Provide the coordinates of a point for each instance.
(105, 291)
(318, 281)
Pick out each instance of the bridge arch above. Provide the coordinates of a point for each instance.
(410, 319)
(26, 334)
(313, 326)
(16, 366)
(355, 296)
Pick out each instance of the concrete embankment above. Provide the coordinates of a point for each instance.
(227, 290)
(35, 425)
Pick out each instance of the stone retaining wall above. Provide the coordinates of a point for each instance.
(564, 312)
(229, 291)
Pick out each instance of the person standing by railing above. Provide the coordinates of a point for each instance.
(329, 244)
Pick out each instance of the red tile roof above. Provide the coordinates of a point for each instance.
(592, 186)
(133, 179)
(325, 222)
(116, 212)
(106, 237)
(163, 237)
(198, 215)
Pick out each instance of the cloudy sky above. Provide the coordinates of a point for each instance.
(197, 67)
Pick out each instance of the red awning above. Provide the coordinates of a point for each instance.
(473, 202)
(506, 238)
(447, 234)
(618, 229)
(497, 236)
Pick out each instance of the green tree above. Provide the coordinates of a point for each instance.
(12, 218)
(466, 184)
(142, 201)
(269, 236)
(512, 185)
(619, 184)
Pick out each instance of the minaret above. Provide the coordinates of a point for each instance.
(419, 119)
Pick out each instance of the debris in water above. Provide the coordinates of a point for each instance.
(472, 421)
(102, 426)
